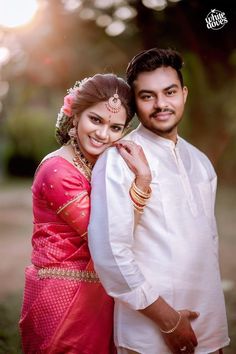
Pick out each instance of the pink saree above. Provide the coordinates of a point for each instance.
(65, 308)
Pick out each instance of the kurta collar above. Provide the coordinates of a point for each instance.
(156, 139)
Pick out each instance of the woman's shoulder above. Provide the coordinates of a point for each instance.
(59, 159)
(52, 163)
(58, 174)
(57, 167)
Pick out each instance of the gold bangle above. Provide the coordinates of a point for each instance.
(139, 210)
(139, 198)
(140, 192)
(174, 328)
(136, 198)
(138, 207)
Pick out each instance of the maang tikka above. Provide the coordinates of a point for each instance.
(114, 103)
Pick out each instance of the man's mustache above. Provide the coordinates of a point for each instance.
(161, 110)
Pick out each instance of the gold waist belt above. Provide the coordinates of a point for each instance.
(68, 274)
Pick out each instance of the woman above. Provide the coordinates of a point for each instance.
(65, 308)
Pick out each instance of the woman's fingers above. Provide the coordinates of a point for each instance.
(135, 158)
(130, 146)
(124, 153)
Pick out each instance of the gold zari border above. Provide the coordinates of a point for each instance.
(59, 210)
(68, 274)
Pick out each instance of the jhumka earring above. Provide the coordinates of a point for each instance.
(114, 103)
(72, 132)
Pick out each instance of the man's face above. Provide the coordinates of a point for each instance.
(160, 100)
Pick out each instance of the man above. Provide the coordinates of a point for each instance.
(162, 267)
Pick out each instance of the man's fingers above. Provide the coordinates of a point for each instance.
(193, 315)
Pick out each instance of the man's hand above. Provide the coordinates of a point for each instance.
(183, 339)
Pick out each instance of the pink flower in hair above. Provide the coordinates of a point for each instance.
(66, 108)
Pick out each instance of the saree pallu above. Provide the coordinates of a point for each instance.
(65, 308)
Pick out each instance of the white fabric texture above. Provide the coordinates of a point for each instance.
(173, 249)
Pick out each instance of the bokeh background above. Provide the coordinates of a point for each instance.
(45, 46)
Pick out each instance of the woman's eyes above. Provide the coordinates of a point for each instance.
(116, 128)
(98, 121)
(95, 120)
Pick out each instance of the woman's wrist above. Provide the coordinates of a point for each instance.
(143, 182)
(140, 195)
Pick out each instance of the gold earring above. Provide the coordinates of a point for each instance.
(72, 133)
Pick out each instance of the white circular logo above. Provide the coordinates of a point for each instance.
(216, 19)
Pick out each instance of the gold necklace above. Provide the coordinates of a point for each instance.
(80, 160)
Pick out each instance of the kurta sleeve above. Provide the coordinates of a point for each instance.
(111, 232)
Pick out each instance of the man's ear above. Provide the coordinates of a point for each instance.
(185, 93)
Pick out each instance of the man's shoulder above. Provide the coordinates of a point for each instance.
(199, 155)
(111, 163)
(194, 150)
(109, 154)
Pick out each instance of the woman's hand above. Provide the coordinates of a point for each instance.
(136, 160)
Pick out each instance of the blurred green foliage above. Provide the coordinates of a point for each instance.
(29, 129)
(10, 342)
(211, 113)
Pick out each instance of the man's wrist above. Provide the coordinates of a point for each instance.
(162, 314)
(171, 330)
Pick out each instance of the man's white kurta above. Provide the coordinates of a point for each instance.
(173, 249)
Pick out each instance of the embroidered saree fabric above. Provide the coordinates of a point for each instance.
(65, 308)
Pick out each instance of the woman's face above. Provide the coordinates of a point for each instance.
(98, 128)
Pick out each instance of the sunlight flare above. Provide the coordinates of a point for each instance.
(14, 13)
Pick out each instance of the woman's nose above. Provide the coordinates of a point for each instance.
(102, 132)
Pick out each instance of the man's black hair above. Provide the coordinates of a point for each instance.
(149, 60)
